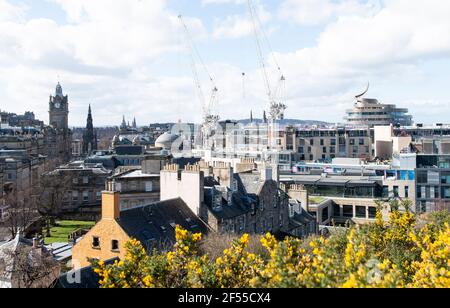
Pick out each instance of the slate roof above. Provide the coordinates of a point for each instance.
(249, 183)
(241, 205)
(129, 150)
(84, 278)
(154, 225)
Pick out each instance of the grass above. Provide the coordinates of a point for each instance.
(316, 200)
(61, 231)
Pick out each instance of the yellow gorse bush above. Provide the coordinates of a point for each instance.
(390, 254)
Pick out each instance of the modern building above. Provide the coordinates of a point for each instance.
(325, 144)
(433, 182)
(371, 112)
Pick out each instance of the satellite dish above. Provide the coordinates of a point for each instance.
(364, 93)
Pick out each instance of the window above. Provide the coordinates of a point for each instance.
(301, 150)
(446, 193)
(432, 192)
(148, 186)
(406, 191)
(352, 141)
(311, 142)
(355, 149)
(86, 196)
(332, 149)
(98, 195)
(396, 192)
(385, 191)
(96, 242)
(74, 195)
(322, 142)
(85, 180)
(324, 149)
(372, 212)
(75, 180)
(361, 212)
(325, 214)
(336, 210)
(348, 211)
(333, 142)
(115, 245)
(362, 142)
(309, 149)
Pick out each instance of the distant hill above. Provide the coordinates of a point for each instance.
(287, 122)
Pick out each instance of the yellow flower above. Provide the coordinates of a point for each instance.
(197, 237)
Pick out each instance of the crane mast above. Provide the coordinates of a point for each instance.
(208, 107)
(276, 107)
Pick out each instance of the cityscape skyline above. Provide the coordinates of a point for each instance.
(147, 75)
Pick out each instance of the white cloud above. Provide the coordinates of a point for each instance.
(238, 26)
(384, 47)
(9, 12)
(207, 2)
(109, 53)
(314, 12)
(100, 55)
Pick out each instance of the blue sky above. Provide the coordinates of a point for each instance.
(128, 57)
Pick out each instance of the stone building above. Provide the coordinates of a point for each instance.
(58, 137)
(234, 203)
(26, 264)
(153, 225)
(139, 187)
(22, 173)
(84, 183)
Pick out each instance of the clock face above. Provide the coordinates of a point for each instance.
(57, 105)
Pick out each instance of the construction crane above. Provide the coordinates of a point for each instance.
(276, 107)
(208, 107)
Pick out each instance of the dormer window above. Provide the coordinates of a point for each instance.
(96, 242)
(115, 245)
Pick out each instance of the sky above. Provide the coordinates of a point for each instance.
(131, 57)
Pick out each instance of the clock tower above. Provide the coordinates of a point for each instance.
(59, 109)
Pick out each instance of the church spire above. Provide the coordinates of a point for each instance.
(134, 123)
(59, 91)
(89, 136)
(89, 119)
(251, 116)
(124, 123)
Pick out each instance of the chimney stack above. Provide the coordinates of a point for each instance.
(111, 204)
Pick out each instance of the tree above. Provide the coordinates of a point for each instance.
(19, 214)
(397, 253)
(26, 266)
(52, 191)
